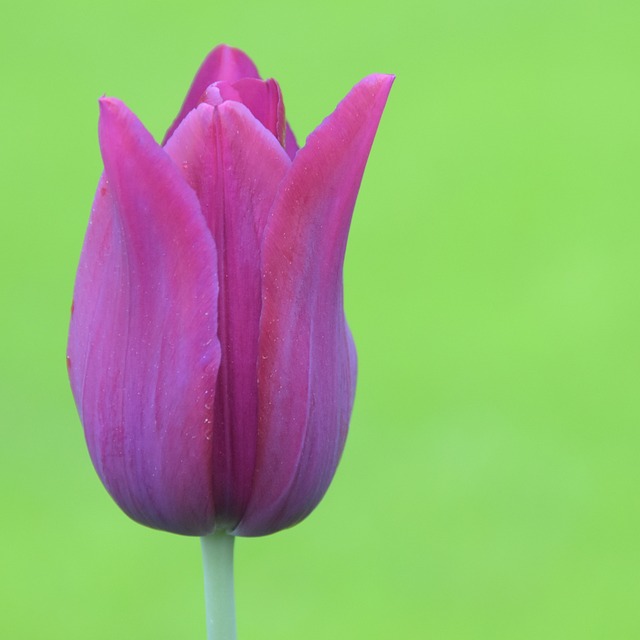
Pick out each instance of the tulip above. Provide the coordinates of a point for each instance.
(209, 356)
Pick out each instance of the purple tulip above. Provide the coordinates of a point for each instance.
(209, 355)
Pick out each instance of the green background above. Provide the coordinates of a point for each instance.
(489, 488)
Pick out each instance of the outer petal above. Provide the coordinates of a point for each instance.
(223, 63)
(143, 353)
(306, 368)
(235, 166)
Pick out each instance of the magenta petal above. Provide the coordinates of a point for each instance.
(143, 349)
(262, 97)
(235, 166)
(224, 63)
(264, 100)
(218, 92)
(290, 142)
(307, 367)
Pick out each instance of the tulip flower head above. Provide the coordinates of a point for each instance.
(209, 355)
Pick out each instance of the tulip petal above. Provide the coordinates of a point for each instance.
(306, 369)
(262, 97)
(290, 142)
(235, 166)
(143, 353)
(225, 64)
(218, 92)
(264, 100)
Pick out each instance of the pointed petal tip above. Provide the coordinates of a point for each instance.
(114, 121)
(110, 108)
(106, 102)
(380, 82)
(383, 78)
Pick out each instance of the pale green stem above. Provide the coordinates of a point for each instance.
(217, 559)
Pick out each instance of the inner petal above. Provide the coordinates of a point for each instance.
(264, 100)
(235, 167)
(262, 97)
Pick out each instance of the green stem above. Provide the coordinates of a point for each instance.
(217, 559)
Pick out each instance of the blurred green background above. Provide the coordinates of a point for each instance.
(489, 489)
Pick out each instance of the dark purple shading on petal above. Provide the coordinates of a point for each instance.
(143, 347)
(307, 368)
(235, 166)
(225, 64)
(290, 142)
